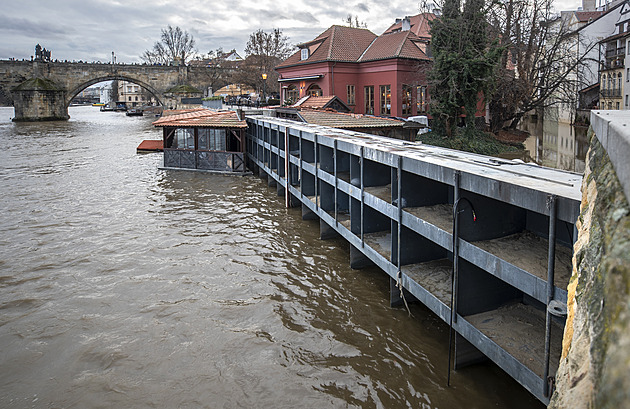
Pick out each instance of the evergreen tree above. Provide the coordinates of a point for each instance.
(445, 43)
(464, 64)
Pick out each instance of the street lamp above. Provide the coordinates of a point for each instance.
(264, 77)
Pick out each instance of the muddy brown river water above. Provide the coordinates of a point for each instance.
(126, 286)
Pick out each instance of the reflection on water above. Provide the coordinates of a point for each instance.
(555, 144)
(122, 285)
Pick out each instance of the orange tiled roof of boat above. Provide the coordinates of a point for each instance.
(201, 117)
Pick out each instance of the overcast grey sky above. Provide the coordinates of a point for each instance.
(90, 30)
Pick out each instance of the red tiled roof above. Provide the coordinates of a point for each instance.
(419, 25)
(169, 112)
(338, 43)
(402, 44)
(583, 16)
(347, 121)
(314, 102)
(201, 117)
(615, 37)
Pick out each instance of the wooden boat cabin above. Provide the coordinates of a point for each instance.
(203, 139)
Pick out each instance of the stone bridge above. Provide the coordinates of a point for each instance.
(40, 90)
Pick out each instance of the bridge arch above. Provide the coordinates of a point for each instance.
(116, 77)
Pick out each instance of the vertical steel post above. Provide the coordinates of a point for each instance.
(336, 178)
(456, 197)
(316, 173)
(301, 155)
(457, 177)
(286, 169)
(551, 262)
(362, 197)
(399, 187)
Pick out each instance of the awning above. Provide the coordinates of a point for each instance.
(309, 77)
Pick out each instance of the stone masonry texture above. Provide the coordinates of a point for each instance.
(594, 370)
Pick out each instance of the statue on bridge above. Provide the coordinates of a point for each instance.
(42, 54)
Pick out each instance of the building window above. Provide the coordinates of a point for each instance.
(406, 99)
(369, 99)
(350, 89)
(314, 91)
(304, 54)
(184, 138)
(386, 99)
(211, 139)
(617, 105)
(291, 95)
(421, 100)
(626, 100)
(130, 99)
(136, 97)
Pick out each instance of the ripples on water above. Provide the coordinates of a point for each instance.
(122, 285)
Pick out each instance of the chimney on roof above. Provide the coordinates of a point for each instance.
(589, 5)
(398, 20)
(406, 24)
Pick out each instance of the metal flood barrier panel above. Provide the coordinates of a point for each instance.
(484, 243)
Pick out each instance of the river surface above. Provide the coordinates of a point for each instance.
(555, 144)
(122, 285)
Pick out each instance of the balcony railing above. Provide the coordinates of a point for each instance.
(611, 93)
(613, 52)
(612, 64)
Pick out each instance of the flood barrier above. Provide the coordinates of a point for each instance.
(496, 269)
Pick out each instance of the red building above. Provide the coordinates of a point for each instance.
(379, 75)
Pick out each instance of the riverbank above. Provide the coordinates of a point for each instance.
(482, 143)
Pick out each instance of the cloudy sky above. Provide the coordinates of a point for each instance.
(90, 30)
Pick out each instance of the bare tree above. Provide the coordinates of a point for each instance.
(541, 62)
(219, 71)
(353, 21)
(174, 45)
(263, 52)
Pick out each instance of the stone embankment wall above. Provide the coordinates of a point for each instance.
(595, 367)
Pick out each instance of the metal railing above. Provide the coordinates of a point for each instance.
(206, 160)
(611, 93)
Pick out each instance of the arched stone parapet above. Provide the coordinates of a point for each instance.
(158, 94)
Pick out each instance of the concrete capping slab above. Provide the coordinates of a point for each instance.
(612, 129)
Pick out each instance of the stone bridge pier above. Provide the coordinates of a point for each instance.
(41, 90)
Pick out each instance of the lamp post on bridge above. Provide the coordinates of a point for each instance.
(264, 77)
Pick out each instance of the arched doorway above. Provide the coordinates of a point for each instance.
(291, 94)
(314, 91)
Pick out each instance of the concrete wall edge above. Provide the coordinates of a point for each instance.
(612, 129)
